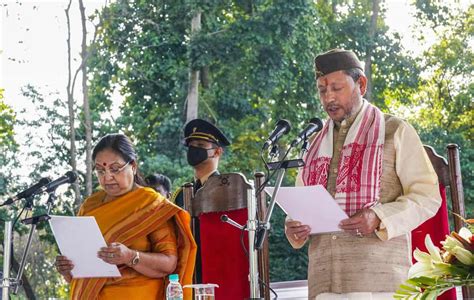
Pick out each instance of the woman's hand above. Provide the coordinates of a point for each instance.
(116, 254)
(64, 267)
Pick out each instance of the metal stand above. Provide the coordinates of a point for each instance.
(15, 283)
(251, 228)
(33, 221)
(257, 231)
(253, 258)
(264, 226)
(7, 281)
(280, 167)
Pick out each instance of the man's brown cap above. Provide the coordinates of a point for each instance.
(336, 60)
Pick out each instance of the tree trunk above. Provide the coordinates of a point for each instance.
(193, 89)
(204, 77)
(86, 108)
(70, 104)
(368, 60)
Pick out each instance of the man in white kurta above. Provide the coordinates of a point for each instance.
(375, 167)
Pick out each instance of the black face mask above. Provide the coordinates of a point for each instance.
(196, 155)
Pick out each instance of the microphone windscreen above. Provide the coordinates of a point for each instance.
(317, 122)
(72, 176)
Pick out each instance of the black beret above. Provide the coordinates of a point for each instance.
(199, 129)
(336, 60)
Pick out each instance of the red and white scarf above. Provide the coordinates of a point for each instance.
(360, 163)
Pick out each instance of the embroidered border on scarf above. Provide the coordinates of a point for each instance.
(360, 164)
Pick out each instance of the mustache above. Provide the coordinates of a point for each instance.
(332, 105)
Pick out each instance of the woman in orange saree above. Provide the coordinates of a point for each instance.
(148, 237)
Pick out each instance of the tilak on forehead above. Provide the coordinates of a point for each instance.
(335, 60)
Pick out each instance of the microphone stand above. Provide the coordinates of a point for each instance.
(304, 148)
(252, 229)
(33, 221)
(257, 230)
(8, 282)
(264, 226)
(281, 167)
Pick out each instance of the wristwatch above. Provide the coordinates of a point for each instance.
(135, 259)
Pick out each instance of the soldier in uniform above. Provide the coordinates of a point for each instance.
(205, 144)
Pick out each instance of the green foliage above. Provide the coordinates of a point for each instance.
(286, 263)
(427, 288)
(433, 13)
(7, 121)
(8, 145)
(442, 107)
(256, 64)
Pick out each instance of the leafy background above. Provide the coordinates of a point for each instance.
(256, 61)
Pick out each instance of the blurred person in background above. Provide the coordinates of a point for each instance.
(160, 183)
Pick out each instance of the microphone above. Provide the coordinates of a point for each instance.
(226, 219)
(32, 190)
(282, 127)
(315, 125)
(69, 177)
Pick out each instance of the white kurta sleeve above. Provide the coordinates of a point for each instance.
(421, 198)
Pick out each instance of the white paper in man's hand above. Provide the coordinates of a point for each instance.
(79, 239)
(311, 205)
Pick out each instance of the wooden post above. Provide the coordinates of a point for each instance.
(457, 198)
(456, 189)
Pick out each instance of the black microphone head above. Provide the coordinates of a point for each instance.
(285, 124)
(281, 127)
(44, 181)
(317, 122)
(32, 190)
(314, 125)
(224, 218)
(71, 176)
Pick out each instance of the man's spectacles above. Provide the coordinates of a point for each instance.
(113, 170)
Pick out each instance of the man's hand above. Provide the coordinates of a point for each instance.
(296, 231)
(364, 222)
